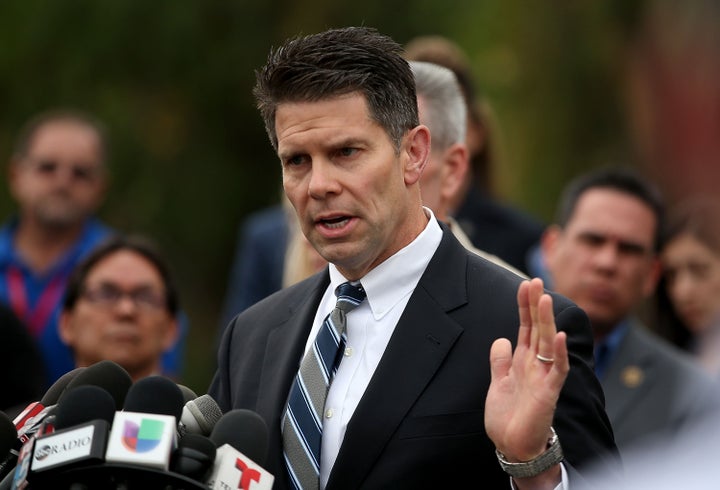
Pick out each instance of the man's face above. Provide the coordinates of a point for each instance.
(356, 199)
(121, 315)
(60, 181)
(603, 259)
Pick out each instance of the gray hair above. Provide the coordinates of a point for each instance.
(444, 103)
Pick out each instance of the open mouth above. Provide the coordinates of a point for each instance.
(335, 223)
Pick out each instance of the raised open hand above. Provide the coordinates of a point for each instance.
(526, 384)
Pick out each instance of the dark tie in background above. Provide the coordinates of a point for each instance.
(302, 424)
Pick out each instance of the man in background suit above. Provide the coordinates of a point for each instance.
(258, 261)
(429, 386)
(442, 109)
(602, 253)
(493, 225)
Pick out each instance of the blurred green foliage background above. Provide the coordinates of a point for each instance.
(172, 80)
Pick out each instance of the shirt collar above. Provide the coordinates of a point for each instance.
(396, 277)
(605, 349)
(92, 233)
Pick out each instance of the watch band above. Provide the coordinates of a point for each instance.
(552, 456)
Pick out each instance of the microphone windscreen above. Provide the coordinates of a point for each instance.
(83, 404)
(244, 430)
(155, 394)
(106, 374)
(52, 395)
(194, 456)
(8, 435)
(205, 412)
(187, 393)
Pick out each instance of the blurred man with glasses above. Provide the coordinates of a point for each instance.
(121, 305)
(58, 177)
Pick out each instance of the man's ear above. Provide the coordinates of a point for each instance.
(417, 153)
(65, 329)
(13, 169)
(454, 170)
(172, 334)
(548, 242)
(652, 278)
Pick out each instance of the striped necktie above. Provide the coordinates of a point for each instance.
(302, 424)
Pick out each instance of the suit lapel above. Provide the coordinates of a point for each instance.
(422, 339)
(624, 383)
(285, 347)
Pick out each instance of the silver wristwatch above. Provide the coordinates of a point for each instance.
(552, 456)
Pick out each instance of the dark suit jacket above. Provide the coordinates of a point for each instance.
(420, 423)
(653, 389)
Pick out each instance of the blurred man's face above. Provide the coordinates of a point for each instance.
(121, 315)
(61, 180)
(603, 259)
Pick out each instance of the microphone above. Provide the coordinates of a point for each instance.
(8, 434)
(194, 457)
(145, 431)
(50, 397)
(188, 394)
(82, 404)
(241, 437)
(199, 416)
(29, 420)
(155, 394)
(82, 421)
(106, 374)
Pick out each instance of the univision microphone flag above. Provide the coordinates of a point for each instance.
(142, 438)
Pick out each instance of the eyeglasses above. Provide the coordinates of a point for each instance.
(78, 172)
(109, 295)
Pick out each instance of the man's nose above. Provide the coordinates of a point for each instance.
(323, 179)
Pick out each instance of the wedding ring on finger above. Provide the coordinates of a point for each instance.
(546, 360)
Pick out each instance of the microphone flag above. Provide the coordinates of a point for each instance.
(142, 438)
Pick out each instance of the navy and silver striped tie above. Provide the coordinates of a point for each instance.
(302, 424)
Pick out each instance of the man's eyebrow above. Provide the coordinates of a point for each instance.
(328, 145)
(622, 243)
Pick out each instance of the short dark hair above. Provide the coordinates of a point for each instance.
(698, 216)
(140, 245)
(339, 62)
(621, 179)
(75, 116)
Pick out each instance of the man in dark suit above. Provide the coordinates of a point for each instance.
(602, 253)
(429, 386)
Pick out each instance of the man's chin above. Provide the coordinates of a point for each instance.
(61, 221)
